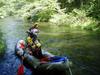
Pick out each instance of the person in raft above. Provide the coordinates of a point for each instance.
(33, 31)
(20, 48)
(33, 43)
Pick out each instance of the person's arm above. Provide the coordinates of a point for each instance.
(38, 44)
(37, 30)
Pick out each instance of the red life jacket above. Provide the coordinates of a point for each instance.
(20, 70)
(22, 46)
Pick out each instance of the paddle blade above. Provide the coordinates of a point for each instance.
(20, 70)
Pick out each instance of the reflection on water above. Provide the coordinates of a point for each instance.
(82, 47)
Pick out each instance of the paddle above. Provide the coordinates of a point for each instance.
(20, 69)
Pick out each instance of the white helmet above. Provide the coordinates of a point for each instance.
(22, 42)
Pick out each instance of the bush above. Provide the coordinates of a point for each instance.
(75, 18)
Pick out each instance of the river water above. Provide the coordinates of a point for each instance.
(82, 47)
(13, 31)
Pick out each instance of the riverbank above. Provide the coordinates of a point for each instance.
(2, 46)
(68, 13)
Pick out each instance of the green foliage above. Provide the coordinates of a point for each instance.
(40, 10)
(62, 12)
(2, 48)
(95, 10)
(2, 45)
(76, 4)
(1, 4)
(44, 15)
(10, 7)
(75, 18)
(92, 26)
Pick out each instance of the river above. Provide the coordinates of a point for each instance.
(13, 31)
(82, 47)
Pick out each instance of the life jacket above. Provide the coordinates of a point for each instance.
(29, 40)
(35, 47)
(34, 44)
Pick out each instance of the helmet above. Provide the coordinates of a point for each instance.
(22, 43)
(35, 25)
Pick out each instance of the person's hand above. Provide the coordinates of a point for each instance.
(33, 46)
(22, 58)
(30, 52)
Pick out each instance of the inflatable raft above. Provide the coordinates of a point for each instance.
(57, 64)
